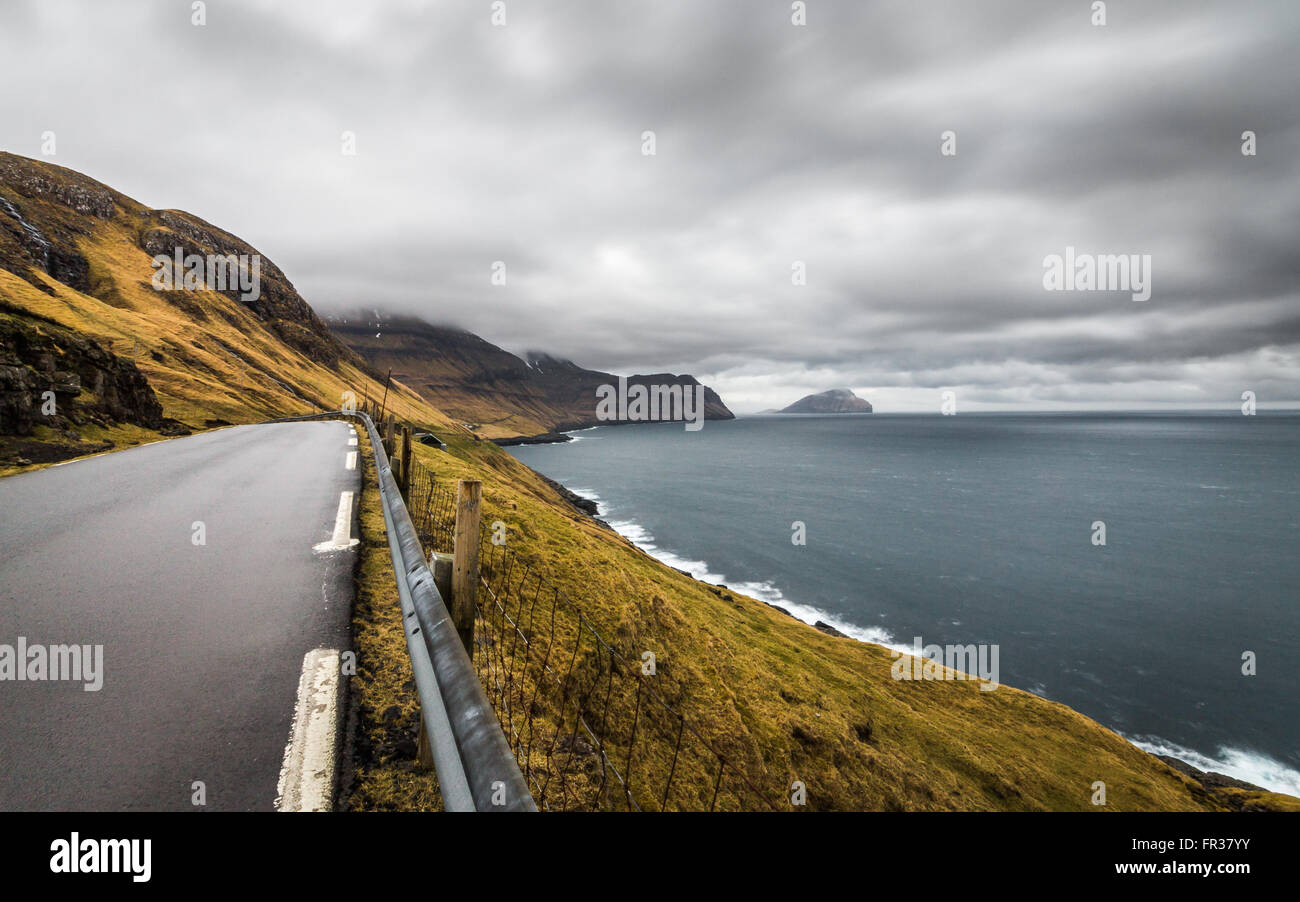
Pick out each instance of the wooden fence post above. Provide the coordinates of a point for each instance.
(464, 573)
(406, 463)
(384, 405)
(389, 445)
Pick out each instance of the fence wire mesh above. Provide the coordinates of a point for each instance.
(432, 508)
(588, 727)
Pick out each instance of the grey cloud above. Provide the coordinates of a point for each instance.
(775, 144)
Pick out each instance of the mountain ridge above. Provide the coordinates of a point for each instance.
(506, 397)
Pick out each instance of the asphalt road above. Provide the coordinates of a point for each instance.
(202, 644)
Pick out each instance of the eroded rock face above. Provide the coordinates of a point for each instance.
(89, 384)
(26, 245)
(70, 189)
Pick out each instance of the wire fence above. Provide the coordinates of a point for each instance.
(588, 726)
(432, 508)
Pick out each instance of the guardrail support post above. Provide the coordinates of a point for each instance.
(442, 564)
(464, 573)
(389, 445)
(424, 752)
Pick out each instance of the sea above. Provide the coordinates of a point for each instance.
(1181, 632)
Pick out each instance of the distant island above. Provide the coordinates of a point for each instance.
(837, 400)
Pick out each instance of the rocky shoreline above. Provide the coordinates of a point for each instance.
(582, 505)
(545, 438)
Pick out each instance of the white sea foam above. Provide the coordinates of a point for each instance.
(585, 493)
(1252, 767)
(764, 591)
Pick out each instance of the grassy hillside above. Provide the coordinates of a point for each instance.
(209, 357)
(782, 700)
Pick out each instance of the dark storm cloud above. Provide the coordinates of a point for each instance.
(775, 144)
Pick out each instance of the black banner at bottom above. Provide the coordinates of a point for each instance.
(522, 853)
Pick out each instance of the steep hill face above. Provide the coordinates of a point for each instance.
(484, 385)
(81, 315)
(837, 400)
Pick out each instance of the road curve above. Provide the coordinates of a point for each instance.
(202, 644)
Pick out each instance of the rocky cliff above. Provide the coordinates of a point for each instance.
(53, 377)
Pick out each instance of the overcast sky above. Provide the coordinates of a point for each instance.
(774, 143)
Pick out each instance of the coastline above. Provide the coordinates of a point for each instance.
(542, 438)
(1229, 766)
(764, 592)
(563, 433)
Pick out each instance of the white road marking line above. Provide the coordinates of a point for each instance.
(352, 442)
(342, 539)
(352, 461)
(307, 774)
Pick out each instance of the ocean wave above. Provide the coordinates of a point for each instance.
(764, 591)
(574, 437)
(1253, 767)
(585, 493)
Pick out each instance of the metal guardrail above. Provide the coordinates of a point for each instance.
(475, 766)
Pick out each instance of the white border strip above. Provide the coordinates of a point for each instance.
(342, 539)
(307, 774)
